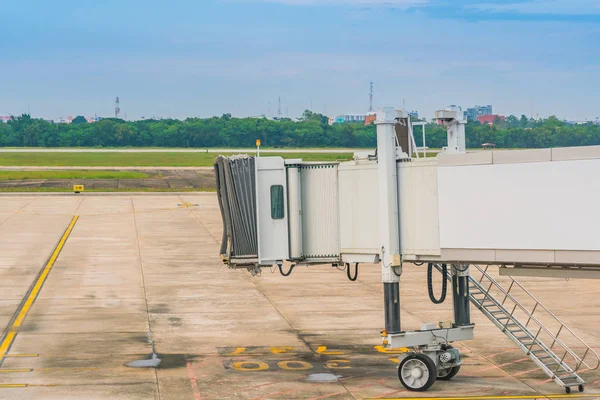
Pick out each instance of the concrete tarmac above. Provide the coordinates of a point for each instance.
(142, 273)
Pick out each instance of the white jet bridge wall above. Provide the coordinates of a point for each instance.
(418, 203)
(272, 233)
(359, 217)
(528, 206)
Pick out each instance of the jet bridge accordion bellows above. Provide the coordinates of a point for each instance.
(236, 192)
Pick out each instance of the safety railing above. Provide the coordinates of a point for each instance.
(557, 341)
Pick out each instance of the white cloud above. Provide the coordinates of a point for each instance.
(555, 7)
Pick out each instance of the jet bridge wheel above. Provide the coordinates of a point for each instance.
(417, 372)
(445, 374)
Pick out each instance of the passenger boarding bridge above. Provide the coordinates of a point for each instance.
(532, 212)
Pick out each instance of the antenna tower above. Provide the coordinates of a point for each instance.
(371, 98)
(117, 108)
(279, 108)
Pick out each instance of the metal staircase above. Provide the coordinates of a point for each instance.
(549, 344)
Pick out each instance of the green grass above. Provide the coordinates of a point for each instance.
(115, 159)
(24, 175)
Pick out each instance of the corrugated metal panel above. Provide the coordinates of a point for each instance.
(320, 218)
(295, 211)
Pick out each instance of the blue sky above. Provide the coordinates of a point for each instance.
(207, 57)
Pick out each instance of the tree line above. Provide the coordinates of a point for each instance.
(312, 130)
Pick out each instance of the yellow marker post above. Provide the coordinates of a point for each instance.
(257, 147)
(78, 188)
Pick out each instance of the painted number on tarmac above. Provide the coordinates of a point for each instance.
(285, 365)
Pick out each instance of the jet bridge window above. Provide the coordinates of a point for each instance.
(277, 211)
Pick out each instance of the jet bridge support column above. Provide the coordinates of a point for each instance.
(387, 154)
(460, 294)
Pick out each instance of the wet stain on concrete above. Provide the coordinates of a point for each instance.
(160, 308)
(152, 362)
(28, 327)
(162, 361)
(323, 377)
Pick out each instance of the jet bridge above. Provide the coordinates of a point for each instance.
(532, 212)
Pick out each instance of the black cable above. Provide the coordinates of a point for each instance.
(288, 273)
(352, 278)
(430, 284)
(461, 270)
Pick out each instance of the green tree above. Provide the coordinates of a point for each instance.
(79, 120)
(312, 130)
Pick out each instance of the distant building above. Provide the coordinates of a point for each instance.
(63, 120)
(489, 119)
(370, 118)
(414, 114)
(478, 111)
(351, 118)
(5, 119)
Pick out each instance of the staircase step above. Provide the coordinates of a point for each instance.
(568, 378)
(550, 365)
(545, 357)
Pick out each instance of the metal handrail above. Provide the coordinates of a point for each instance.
(555, 338)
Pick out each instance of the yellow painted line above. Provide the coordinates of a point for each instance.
(7, 371)
(12, 385)
(22, 355)
(14, 328)
(539, 396)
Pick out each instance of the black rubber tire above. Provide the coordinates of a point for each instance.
(452, 374)
(581, 388)
(431, 368)
(568, 390)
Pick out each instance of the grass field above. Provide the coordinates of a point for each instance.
(24, 175)
(115, 159)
